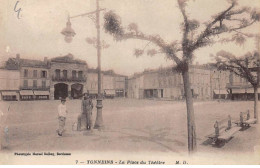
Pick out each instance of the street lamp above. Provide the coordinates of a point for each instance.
(69, 33)
(219, 75)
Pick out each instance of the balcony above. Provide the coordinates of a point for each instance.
(66, 79)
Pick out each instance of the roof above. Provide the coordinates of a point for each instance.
(15, 63)
(33, 63)
(68, 59)
(169, 69)
(12, 64)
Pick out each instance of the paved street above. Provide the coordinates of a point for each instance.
(130, 126)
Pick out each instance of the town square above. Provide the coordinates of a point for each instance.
(129, 82)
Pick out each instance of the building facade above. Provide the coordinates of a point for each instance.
(166, 83)
(59, 77)
(65, 76)
(120, 85)
(10, 84)
(239, 88)
(34, 81)
(112, 84)
(219, 82)
(68, 76)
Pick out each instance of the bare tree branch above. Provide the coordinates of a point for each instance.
(239, 66)
(157, 40)
(207, 31)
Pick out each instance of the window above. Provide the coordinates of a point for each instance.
(35, 73)
(44, 74)
(43, 84)
(170, 82)
(65, 74)
(34, 83)
(25, 83)
(175, 80)
(80, 75)
(57, 73)
(74, 74)
(25, 73)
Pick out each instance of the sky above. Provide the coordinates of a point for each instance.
(37, 33)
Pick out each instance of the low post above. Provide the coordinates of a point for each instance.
(216, 128)
(241, 118)
(248, 115)
(229, 122)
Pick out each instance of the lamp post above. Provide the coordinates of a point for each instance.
(69, 33)
(219, 75)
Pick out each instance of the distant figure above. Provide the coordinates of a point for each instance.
(89, 107)
(83, 116)
(62, 114)
(86, 112)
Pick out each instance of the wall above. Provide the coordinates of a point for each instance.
(30, 78)
(69, 81)
(9, 79)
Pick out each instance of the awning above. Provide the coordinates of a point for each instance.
(26, 92)
(11, 93)
(110, 92)
(93, 92)
(237, 91)
(249, 90)
(41, 93)
(221, 91)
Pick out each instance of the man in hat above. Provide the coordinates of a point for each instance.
(62, 114)
(83, 116)
(86, 107)
(89, 107)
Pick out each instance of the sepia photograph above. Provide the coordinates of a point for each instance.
(129, 82)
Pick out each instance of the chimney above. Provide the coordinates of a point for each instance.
(18, 56)
(45, 60)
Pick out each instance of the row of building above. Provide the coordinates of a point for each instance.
(206, 83)
(65, 76)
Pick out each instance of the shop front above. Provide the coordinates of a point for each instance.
(220, 94)
(109, 93)
(9, 96)
(26, 95)
(93, 93)
(41, 95)
(120, 93)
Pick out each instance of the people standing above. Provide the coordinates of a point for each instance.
(89, 106)
(86, 112)
(83, 114)
(62, 114)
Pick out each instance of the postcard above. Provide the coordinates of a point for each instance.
(129, 82)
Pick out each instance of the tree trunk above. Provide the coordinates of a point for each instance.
(256, 104)
(190, 113)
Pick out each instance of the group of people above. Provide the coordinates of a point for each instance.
(86, 114)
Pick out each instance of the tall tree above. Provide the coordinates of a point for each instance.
(231, 20)
(246, 67)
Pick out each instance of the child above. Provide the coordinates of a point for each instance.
(62, 114)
